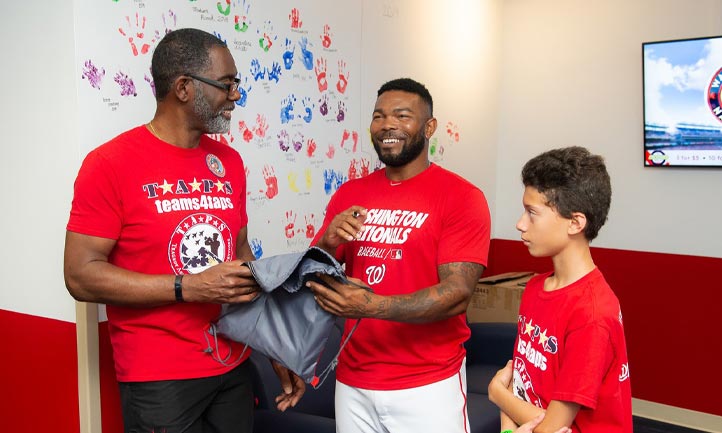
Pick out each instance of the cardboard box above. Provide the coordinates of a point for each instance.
(497, 298)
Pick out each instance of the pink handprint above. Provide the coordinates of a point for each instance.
(261, 125)
(345, 136)
(290, 224)
(137, 30)
(310, 226)
(269, 175)
(354, 136)
(310, 147)
(342, 77)
(320, 70)
(295, 17)
(326, 36)
(245, 131)
(331, 151)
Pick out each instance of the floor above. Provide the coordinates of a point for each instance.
(644, 425)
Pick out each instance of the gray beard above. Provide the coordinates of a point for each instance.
(214, 123)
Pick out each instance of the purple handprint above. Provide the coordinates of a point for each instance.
(323, 105)
(297, 141)
(127, 87)
(341, 111)
(283, 140)
(94, 76)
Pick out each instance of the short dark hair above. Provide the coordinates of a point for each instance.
(411, 86)
(572, 180)
(180, 52)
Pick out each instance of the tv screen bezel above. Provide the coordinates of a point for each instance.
(644, 46)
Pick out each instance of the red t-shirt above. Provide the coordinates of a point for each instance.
(170, 211)
(571, 347)
(412, 227)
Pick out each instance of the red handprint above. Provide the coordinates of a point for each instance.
(365, 167)
(261, 125)
(295, 17)
(331, 151)
(139, 33)
(269, 175)
(342, 77)
(310, 147)
(326, 36)
(247, 133)
(320, 70)
(290, 224)
(310, 226)
(352, 173)
(453, 131)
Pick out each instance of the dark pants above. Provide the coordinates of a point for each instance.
(218, 404)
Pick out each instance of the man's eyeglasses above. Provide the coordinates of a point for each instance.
(228, 87)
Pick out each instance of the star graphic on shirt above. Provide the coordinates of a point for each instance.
(195, 185)
(543, 337)
(529, 328)
(219, 185)
(166, 187)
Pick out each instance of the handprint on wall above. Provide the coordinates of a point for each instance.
(297, 141)
(320, 70)
(323, 105)
(269, 175)
(306, 54)
(342, 77)
(224, 10)
(242, 20)
(310, 147)
(310, 225)
(452, 130)
(127, 87)
(326, 36)
(308, 108)
(267, 36)
(274, 74)
(287, 108)
(245, 131)
(257, 71)
(290, 222)
(288, 53)
(256, 248)
(284, 140)
(243, 89)
(341, 115)
(261, 125)
(295, 18)
(135, 32)
(93, 74)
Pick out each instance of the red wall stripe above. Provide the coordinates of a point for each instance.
(38, 375)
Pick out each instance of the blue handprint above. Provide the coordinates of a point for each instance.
(275, 72)
(257, 71)
(288, 54)
(243, 90)
(287, 108)
(338, 179)
(306, 55)
(328, 179)
(257, 248)
(308, 109)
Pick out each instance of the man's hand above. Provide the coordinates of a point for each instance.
(345, 226)
(292, 385)
(351, 301)
(226, 282)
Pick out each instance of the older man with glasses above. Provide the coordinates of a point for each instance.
(158, 232)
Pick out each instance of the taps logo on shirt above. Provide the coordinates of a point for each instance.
(200, 241)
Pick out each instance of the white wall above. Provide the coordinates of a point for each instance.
(572, 75)
(40, 156)
(453, 48)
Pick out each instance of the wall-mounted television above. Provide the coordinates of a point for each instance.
(683, 102)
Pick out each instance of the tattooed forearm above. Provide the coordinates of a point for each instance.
(446, 299)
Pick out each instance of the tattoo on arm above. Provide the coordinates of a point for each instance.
(457, 281)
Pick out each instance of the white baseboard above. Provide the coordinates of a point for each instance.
(678, 416)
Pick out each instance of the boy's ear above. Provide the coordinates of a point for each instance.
(577, 223)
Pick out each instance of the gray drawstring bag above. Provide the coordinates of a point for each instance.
(284, 322)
